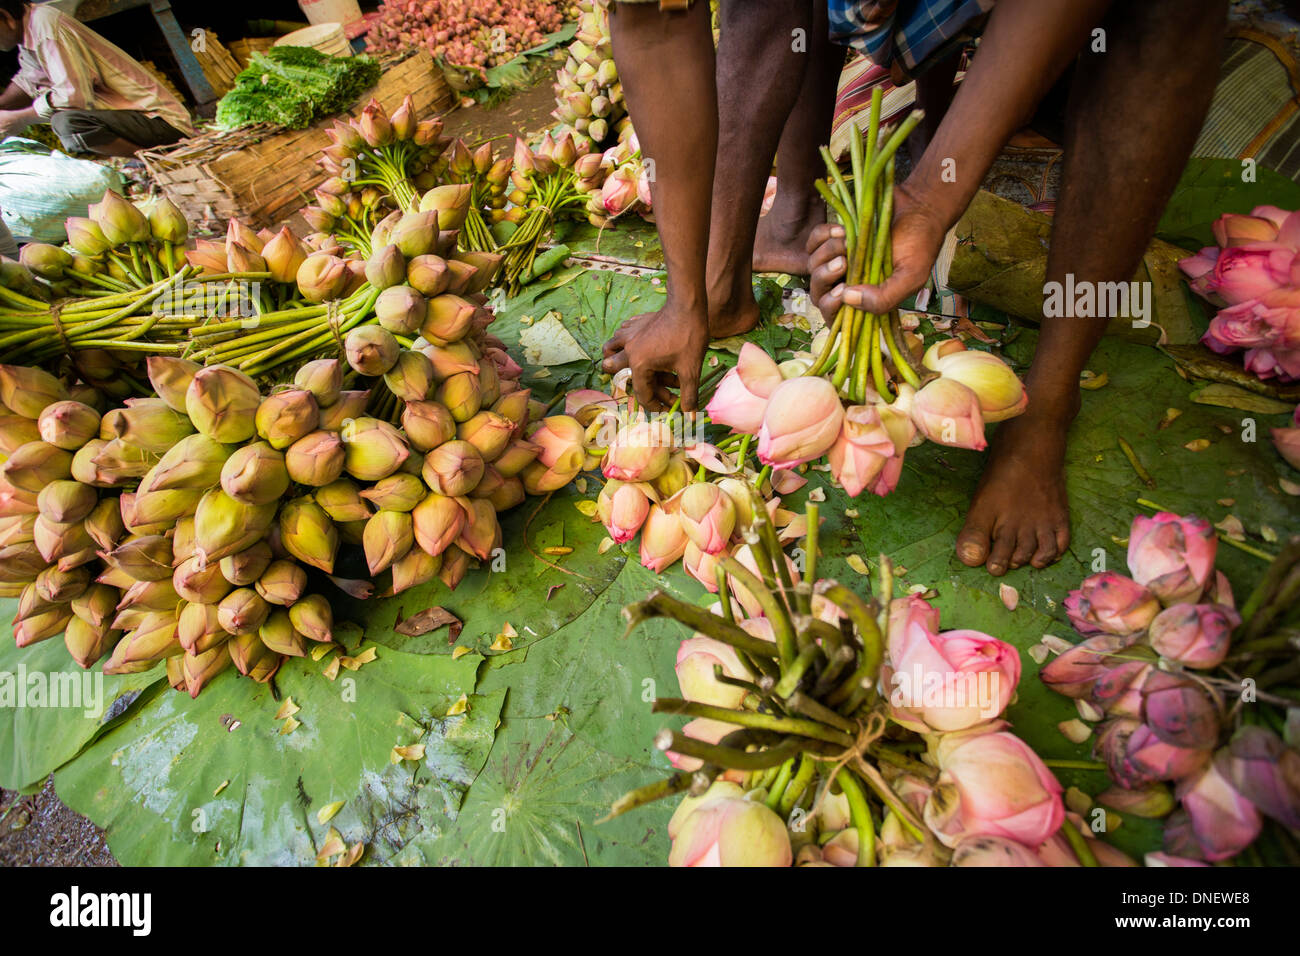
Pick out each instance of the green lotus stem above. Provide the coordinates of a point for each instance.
(893, 330)
(1079, 845)
(828, 350)
(728, 757)
(845, 196)
(1263, 595)
(792, 675)
(724, 594)
(744, 718)
(900, 133)
(841, 212)
(696, 618)
(810, 541)
(856, 163)
(797, 787)
(873, 133)
(775, 611)
(860, 815)
(830, 675)
(782, 781)
(667, 787)
(809, 707)
(772, 545)
(1075, 764)
(868, 628)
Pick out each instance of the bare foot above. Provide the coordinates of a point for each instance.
(781, 242)
(1019, 513)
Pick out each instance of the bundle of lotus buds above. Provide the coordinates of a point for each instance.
(195, 525)
(115, 282)
(588, 94)
(1158, 669)
(616, 181)
(376, 163)
(826, 729)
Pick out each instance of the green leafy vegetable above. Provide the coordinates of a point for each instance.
(291, 86)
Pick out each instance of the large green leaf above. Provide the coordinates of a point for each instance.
(182, 784)
(41, 734)
(1209, 188)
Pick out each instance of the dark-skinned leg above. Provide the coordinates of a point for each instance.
(1133, 116)
(760, 75)
(782, 235)
(666, 63)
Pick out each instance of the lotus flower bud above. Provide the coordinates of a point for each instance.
(311, 617)
(558, 437)
(1111, 603)
(489, 384)
(245, 567)
(45, 260)
(481, 534)
(104, 524)
(308, 534)
(488, 432)
(1000, 392)
(285, 416)
(241, 259)
(119, 220)
(255, 474)
(862, 450)
(170, 378)
(663, 539)
(485, 266)
(437, 522)
(20, 563)
(28, 391)
(65, 502)
(452, 359)
(1265, 771)
(198, 670)
(708, 516)
(280, 636)
(147, 424)
(371, 350)
(16, 431)
(676, 476)
(283, 256)
(351, 404)
(1077, 670)
(447, 319)
(87, 643)
(696, 658)
(225, 526)
(1216, 821)
(450, 202)
(518, 456)
(342, 501)
(741, 396)
(411, 378)
(193, 463)
(108, 463)
(540, 479)
(399, 492)
(167, 222)
(1172, 556)
(57, 586)
(373, 449)
(415, 235)
(42, 625)
(145, 557)
(322, 277)
(453, 468)
(242, 611)
(992, 784)
(282, 583)
(85, 236)
(67, 545)
(198, 583)
(323, 378)
(68, 424)
(316, 459)
(152, 640)
(455, 565)
(386, 267)
(947, 412)
(252, 658)
(430, 275)
(461, 395)
(198, 628)
(150, 596)
(1194, 635)
(183, 544)
(388, 536)
(96, 605)
(374, 125)
(1179, 710)
(726, 831)
(34, 465)
(222, 403)
(640, 452)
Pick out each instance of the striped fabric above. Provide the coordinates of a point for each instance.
(1256, 108)
(907, 31)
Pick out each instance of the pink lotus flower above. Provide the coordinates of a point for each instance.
(557, 436)
(731, 832)
(1282, 364)
(1001, 393)
(939, 683)
(702, 566)
(708, 516)
(1194, 635)
(742, 395)
(801, 422)
(1111, 603)
(623, 509)
(1171, 555)
(991, 782)
(1265, 771)
(906, 615)
(696, 658)
(704, 730)
(1074, 672)
(663, 541)
(640, 452)
(1221, 821)
(861, 450)
(618, 194)
(1234, 229)
(1180, 711)
(948, 413)
(1251, 324)
(1244, 273)
(1135, 756)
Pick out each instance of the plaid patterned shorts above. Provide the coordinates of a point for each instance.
(903, 32)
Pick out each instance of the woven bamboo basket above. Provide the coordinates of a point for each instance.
(243, 50)
(263, 174)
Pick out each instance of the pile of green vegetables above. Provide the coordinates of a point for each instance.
(292, 85)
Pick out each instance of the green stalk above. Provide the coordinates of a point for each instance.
(782, 629)
(744, 718)
(860, 815)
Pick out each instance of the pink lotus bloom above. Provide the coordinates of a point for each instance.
(731, 832)
(704, 730)
(862, 449)
(623, 509)
(801, 422)
(1234, 229)
(948, 413)
(557, 436)
(992, 782)
(1171, 555)
(905, 614)
(708, 516)
(1282, 364)
(742, 395)
(662, 539)
(701, 566)
(1253, 323)
(640, 452)
(1135, 756)
(1222, 821)
(1287, 443)
(1074, 672)
(1194, 635)
(1265, 771)
(696, 658)
(939, 683)
(1246, 273)
(618, 194)
(1199, 270)
(1111, 603)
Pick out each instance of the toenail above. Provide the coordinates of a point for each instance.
(971, 551)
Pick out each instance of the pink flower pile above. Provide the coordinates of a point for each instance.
(1146, 638)
(1254, 275)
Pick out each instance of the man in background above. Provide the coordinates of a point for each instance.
(96, 97)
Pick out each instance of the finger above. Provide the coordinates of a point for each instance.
(827, 276)
(829, 304)
(880, 299)
(821, 233)
(618, 340)
(615, 363)
(688, 376)
(643, 384)
(827, 251)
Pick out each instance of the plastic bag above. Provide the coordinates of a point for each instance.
(40, 188)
